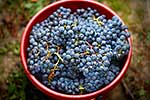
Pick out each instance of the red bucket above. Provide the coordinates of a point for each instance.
(44, 13)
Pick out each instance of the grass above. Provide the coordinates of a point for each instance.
(16, 86)
(148, 39)
(16, 16)
(11, 46)
(120, 6)
(34, 7)
(20, 88)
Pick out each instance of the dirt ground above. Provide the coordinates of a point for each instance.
(14, 15)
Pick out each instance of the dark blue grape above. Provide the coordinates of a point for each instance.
(77, 49)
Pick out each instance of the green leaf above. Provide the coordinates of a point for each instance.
(22, 95)
(142, 92)
(28, 5)
(148, 38)
(16, 51)
(100, 0)
(13, 97)
(11, 88)
(147, 82)
(3, 50)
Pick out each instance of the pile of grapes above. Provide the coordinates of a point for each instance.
(77, 52)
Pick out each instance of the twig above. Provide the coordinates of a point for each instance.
(127, 90)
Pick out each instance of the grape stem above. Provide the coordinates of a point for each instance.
(37, 54)
(98, 21)
(89, 44)
(56, 65)
(48, 52)
(48, 55)
(81, 88)
(59, 56)
(85, 53)
(46, 46)
(52, 73)
(74, 24)
(65, 26)
(120, 51)
(58, 48)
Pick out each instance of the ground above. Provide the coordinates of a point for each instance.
(14, 15)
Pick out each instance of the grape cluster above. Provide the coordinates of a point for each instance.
(77, 52)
